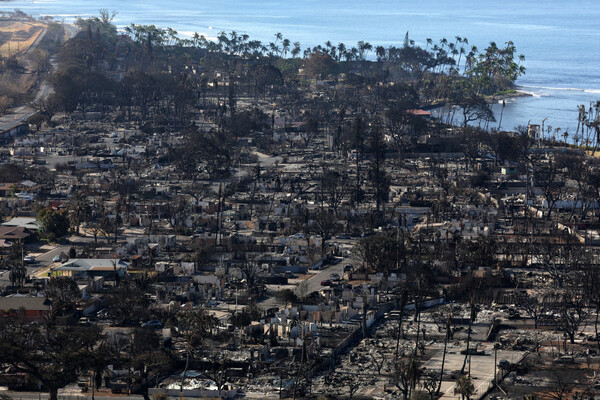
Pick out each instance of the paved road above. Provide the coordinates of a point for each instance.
(70, 30)
(37, 41)
(19, 114)
(313, 283)
(42, 262)
(266, 160)
(46, 259)
(69, 396)
(482, 367)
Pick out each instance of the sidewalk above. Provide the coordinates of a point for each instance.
(70, 393)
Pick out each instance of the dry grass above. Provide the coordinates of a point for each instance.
(17, 36)
(595, 154)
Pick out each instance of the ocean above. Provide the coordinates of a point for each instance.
(560, 40)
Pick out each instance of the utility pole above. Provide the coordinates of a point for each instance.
(400, 316)
(469, 373)
(93, 382)
(280, 383)
(364, 316)
(446, 338)
(495, 364)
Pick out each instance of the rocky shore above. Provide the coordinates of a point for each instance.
(511, 94)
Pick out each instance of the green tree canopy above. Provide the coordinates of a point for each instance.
(64, 293)
(54, 224)
(50, 354)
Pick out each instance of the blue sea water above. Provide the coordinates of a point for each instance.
(561, 40)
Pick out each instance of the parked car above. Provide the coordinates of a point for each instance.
(56, 259)
(348, 268)
(326, 282)
(334, 277)
(289, 275)
(84, 321)
(29, 259)
(154, 324)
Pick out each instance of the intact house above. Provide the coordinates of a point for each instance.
(18, 229)
(14, 234)
(31, 224)
(31, 308)
(79, 268)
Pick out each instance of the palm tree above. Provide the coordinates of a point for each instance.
(470, 57)
(380, 52)
(458, 40)
(455, 53)
(444, 42)
(222, 40)
(462, 51)
(296, 50)
(233, 42)
(341, 50)
(17, 274)
(285, 45)
(464, 387)
(79, 210)
(243, 45)
(429, 41)
(203, 42)
(333, 52)
(273, 49)
(172, 36)
(254, 47)
(278, 37)
(363, 49)
(329, 46)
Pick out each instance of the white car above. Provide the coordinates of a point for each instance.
(57, 259)
(29, 259)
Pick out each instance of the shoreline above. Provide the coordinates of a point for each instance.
(495, 99)
(508, 96)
